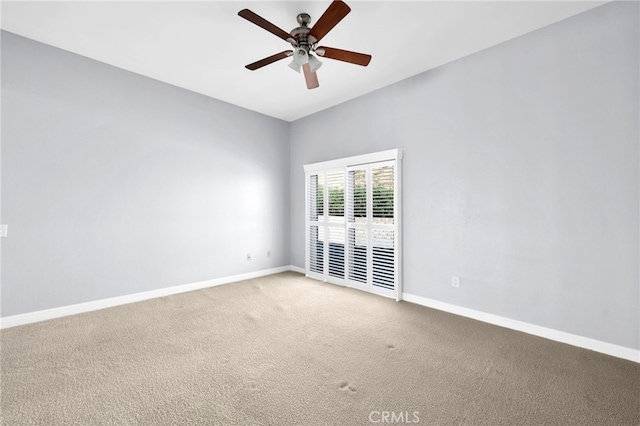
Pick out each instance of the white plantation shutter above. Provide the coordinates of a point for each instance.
(356, 228)
(353, 222)
(371, 226)
(334, 199)
(315, 218)
(383, 226)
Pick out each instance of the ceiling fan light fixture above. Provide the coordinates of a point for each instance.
(295, 66)
(300, 56)
(314, 63)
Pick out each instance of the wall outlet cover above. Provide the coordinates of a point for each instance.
(455, 281)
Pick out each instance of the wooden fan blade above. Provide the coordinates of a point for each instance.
(344, 55)
(263, 23)
(271, 59)
(311, 78)
(329, 19)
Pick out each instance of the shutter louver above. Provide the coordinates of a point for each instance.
(315, 202)
(336, 252)
(383, 192)
(383, 272)
(358, 255)
(316, 251)
(335, 187)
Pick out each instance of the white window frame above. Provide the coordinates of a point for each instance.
(344, 164)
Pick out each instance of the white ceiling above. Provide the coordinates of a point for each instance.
(203, 46)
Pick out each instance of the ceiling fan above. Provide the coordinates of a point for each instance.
(304, 41)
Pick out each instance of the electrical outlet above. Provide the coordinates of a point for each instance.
(3, 231)
(248, 256)
(455, 281)
(268, 253)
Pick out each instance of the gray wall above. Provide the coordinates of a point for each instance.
(520, 174)
(113, 183)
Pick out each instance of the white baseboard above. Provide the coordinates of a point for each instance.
(63, 311)
(297, 269)
(536, 330)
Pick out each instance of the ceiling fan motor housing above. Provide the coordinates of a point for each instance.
(300, 35)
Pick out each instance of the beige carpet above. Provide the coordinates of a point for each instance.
(286, 350)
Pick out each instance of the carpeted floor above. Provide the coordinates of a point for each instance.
(287, 350)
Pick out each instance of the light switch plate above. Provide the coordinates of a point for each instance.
(3, 231)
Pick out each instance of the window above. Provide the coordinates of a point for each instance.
(356, 243)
